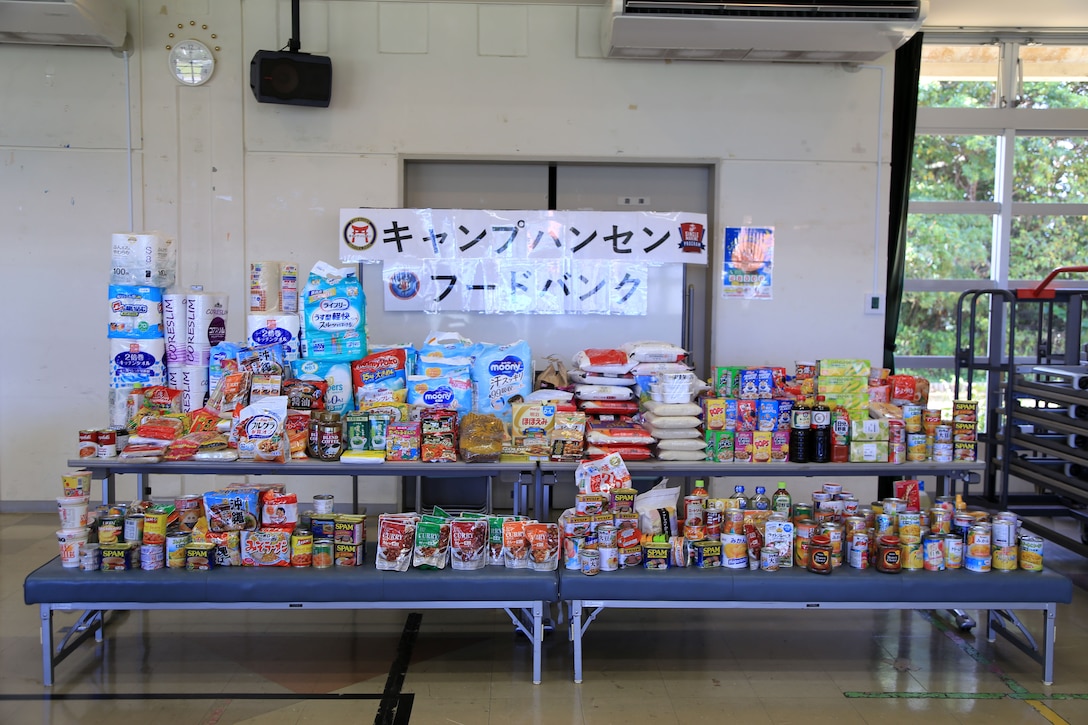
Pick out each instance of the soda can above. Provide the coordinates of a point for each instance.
(858, 555)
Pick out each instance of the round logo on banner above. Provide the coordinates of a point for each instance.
(359, 234)
(404, 284)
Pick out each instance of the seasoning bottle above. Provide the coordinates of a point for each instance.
(800, 433)
(821, 432)
(820, 554)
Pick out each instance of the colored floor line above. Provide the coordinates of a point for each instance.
(1017, 691)
(61, 697)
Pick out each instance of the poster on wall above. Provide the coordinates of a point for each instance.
(519, 262)
(748, 269)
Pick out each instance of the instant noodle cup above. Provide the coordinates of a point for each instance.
(71, 543)
(73, 511)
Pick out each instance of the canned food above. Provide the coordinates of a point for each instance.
(734, 550)
(324, 503)
(323, 526)
(707, 554)
(349, 529)
(953, 551)
(106, 440)
(942, 452)
(802, 511)
(911, 555)
(912, 418)
(189, 508)
(933, 553)
(175, 549)
(323, 553)
(835, 489)
(977, 563)
(152, 557)
(916, 446)
(858, 552)
(769, 559)
(572, 547)
(155, 527)
(1031, 552)
(348, 554)
(134, 528)
(90, 557)
(884, 524)
(590, 561)
(1004, 529)
(199, 556)
(1003, 558)
(111, 529)
(714, 518)
(88, 443)
(610, 558)
(940, 520)
(302, 548)
(606, 536)
(978, 543)
(942, 433)
(910, 527)
(892, 505)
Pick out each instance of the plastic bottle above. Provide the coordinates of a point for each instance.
(821, 432)
(781, 500)
(700, 488)
(760, 502)
(801, 432)
(924, 502)
(739, 495)
(840, 435)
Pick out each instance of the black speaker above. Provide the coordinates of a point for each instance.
(297, 79)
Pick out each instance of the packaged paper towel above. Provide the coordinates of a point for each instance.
(135, 362)
(268, 329)
(135, 311)
(143, 258)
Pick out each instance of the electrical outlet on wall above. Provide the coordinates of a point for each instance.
(874, 303)
(634, 201)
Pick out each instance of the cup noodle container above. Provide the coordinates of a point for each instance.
(205, 325)
(73, 511)
(72, 543)
(173, 322)
(193, 384)
(267, 329)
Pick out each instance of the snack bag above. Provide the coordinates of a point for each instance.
(261, 431)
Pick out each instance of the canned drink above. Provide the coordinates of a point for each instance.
(1031, 552)
(953, 551)
(323, 553)
(175, 549)
(933, 553)
(324, 503)
(88, 443)
(152, 557)
(302, 548)
(106, 440)
(134, 528)
(572, 547)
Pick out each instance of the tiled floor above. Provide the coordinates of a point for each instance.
(283, 667)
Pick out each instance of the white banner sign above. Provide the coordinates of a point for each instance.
(403, 236)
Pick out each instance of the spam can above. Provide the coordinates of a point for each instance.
(199, 556)
(1031, 552)
(707, 554)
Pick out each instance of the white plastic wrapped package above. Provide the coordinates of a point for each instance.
(338, 396)
(652, 351)
(266, 329)
(334, 314)
(149, 258)
(135, 311)
(603, 392)
(137, 362)
(447, 344)
(503, 375)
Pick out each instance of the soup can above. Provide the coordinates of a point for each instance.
(106, 439)
(1031, 552)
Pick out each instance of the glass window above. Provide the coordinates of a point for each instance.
(1051, 169)
(949, 246)
(959, 76)
(1038, 244)
(1054, 76)
(953, 168)
(927, 324)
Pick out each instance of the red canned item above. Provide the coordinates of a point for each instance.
(88, 443)
(106, 440)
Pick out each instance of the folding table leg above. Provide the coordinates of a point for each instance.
(46, 615)
(576, 634)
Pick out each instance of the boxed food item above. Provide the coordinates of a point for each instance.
(828, 384)
(779, 534)
(869, 451)
(844, 366)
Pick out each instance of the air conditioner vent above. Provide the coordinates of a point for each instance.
(799, 9)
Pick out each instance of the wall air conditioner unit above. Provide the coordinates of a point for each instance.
(63, 22)
(837, 31)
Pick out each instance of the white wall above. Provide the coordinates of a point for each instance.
(799, 147)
